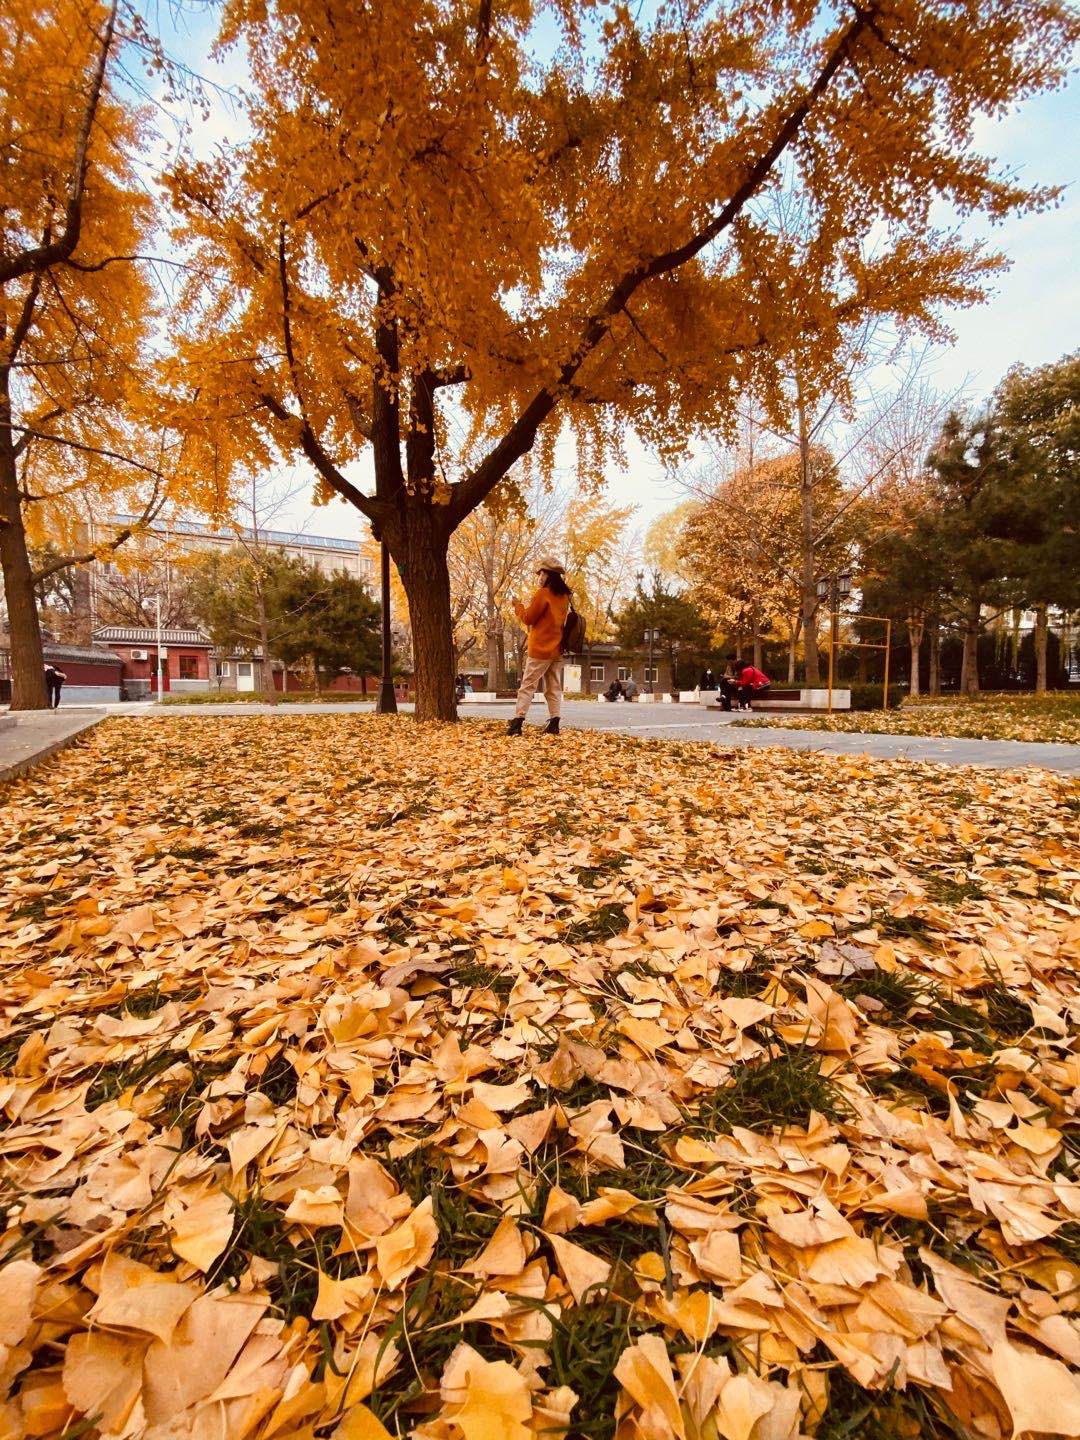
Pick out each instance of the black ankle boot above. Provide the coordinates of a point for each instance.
(513, 727)
(552, 727)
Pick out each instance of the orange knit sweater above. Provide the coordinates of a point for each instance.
(545, 616)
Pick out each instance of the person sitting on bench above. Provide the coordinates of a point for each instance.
(630, 688)
(613, 692)
(727, 687)
(751, 682)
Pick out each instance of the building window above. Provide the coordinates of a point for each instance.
(596, 672)
(189, 667)
(624, 673)
(243, 669)
(221, 669)
(652, 677)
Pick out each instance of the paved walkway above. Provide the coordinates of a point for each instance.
(662, 722)
(30, 735)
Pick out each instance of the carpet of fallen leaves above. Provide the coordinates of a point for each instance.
(1052, 717)
(359, 1079)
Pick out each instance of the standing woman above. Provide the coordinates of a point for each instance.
(545, 616)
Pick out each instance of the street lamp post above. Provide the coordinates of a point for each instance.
(833, 589)
(651, 636)
(386, 704)
(159, 667)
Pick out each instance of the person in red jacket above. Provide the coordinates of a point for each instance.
(751, 681)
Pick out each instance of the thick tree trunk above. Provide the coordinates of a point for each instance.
(418, 544)
(1042, 628)
(915, 633)
(807, 577)
(969, 665)
(934, 677)
(27, 657)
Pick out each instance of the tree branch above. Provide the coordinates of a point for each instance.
(28, 431)
(483, 28)
(450, 375)
(309, 441)
(53, 251)
(26, 317)
(63, 562)
(519, 438)
(309, 444)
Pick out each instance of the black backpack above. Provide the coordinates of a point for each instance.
(573, 632)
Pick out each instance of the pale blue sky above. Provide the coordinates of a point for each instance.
(1031, 317)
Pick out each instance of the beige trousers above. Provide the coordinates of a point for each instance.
(541, 672)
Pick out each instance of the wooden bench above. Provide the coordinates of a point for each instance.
(806, 698)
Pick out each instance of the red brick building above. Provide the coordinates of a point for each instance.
(185, 659)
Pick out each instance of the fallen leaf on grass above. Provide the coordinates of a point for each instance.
(201, 1231)
(485, 1399)
(645, 1374)
(581, 1271)
(135, 1297)
(407, 1248)
(1042, 1396)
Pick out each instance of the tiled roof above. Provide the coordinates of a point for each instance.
(147, 635)
(95, 656)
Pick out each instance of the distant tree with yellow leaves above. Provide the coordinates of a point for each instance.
(458, 231)
(80, 433)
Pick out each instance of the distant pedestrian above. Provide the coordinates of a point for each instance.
(752, 682)
(708, 680)
(544, 616)
(54, 683)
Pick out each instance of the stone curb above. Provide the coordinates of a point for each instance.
(22, 767)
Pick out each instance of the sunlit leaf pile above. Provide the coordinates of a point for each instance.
(1051, 717)
(362, 1079)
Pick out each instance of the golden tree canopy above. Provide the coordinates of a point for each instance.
(455, 221)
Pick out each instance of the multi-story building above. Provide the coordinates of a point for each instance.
(328, 552)
(179, 537)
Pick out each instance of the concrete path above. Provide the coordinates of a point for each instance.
(667, 722)
(29, 736)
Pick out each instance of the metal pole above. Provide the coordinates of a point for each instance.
(833, 602)
(160, 673)
(651, 634)
(888, 649)
(387, 701)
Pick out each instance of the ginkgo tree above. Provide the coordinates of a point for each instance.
(457, 230)
(80, 433)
